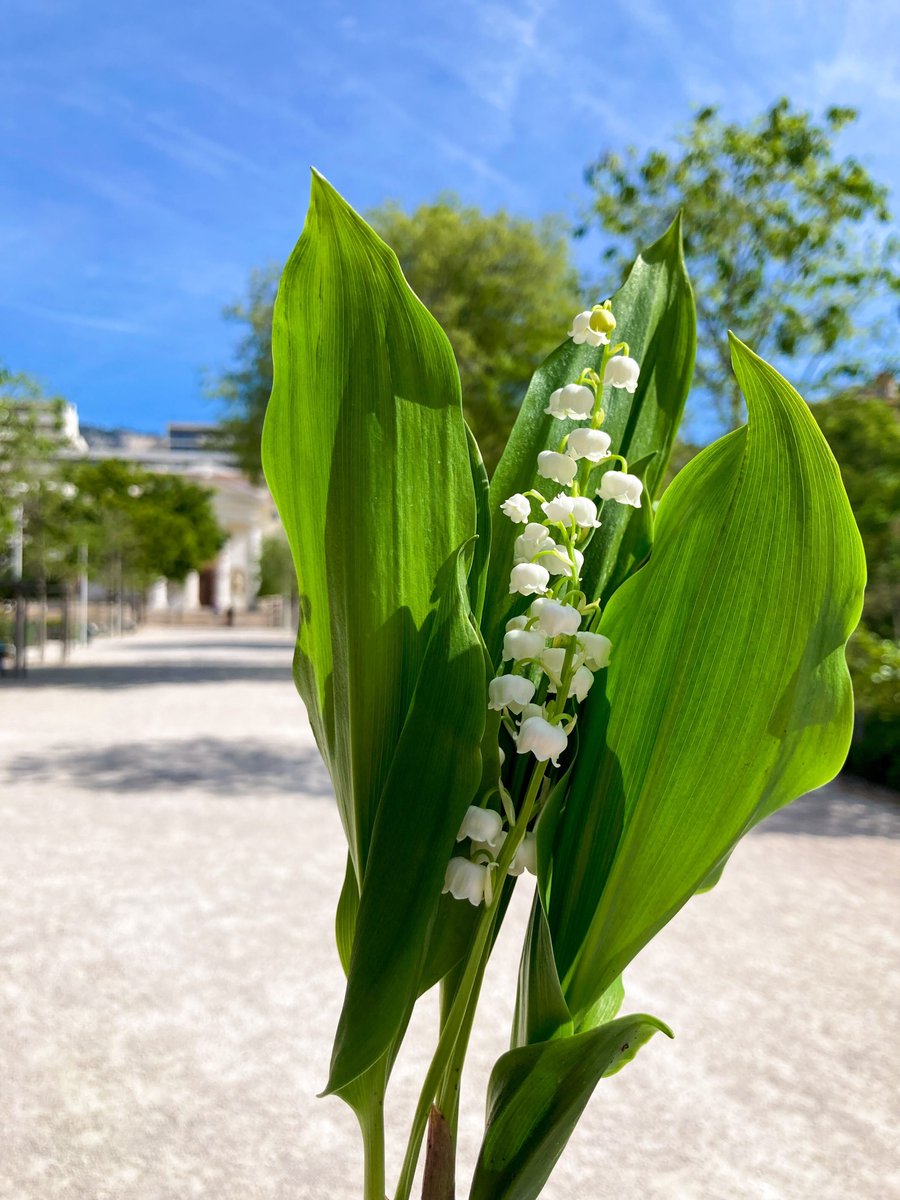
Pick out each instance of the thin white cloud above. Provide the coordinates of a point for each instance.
(100, 324)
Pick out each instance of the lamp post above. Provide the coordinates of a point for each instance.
(83, 594)
(18, 554)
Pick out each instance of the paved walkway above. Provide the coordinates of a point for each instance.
(169, 863)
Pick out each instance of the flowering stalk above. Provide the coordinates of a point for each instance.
(551, 656)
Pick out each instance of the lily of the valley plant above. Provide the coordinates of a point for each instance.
(545, 673)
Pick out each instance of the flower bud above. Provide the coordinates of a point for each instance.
(465, 880)
(592, 444)
(523, 643)
(621, 372)
(528, 579)
(602, 319)
(574, 400)
(509, 691)
(558, 467)
(481, 825)
(622, 487)
(596, 649)
(554, 618)
(542, 739)
(517, 508)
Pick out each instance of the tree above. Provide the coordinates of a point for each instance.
(277, 576)
(780, 237)
(502, 288)
(862, 427)
(244, 390)
(139, 526)
(31, 488)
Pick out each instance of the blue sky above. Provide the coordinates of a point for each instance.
(153, 153)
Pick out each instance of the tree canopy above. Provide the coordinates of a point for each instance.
(862, 427)
(139, 525)
(502, 287)
(786, 243)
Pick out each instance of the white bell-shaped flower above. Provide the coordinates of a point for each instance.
(558, 563)
(528, 579)
(559, 508)
(584, 512)
(553, 660)
(581, 683)
(517, 622)
(622, 372)
(481, 825)
(530, 543)
(531, 710)
(517, 508)
(596, 649)
(574, 400)
(592, 444)
(523, 643)
(525, 857)
(622, 487)
(542, 739)
(592, 327)
(509, 691)
(558, 467)
(465, 880)
(554, 618)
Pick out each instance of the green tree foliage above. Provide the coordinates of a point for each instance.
(138, 525)
(244, 389)
(30, 430)
(862, 426)
(863, 429)
(875, 667)
(277, 576)
(785, 241)
(502, 288)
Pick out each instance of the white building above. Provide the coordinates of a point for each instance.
(245, 512)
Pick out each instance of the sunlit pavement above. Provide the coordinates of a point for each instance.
(170, 860)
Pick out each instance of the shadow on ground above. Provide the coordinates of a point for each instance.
(217, 766)
(112, 676)
(846, 808)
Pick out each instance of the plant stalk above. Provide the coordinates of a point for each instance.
(471, 977)
(371, 1124)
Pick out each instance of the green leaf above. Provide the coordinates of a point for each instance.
(654, 309)
(433, 777)
(727, 694)
(536, 1095)
(365, 452)
(345, 917)
(541, 1010)
(481, 553)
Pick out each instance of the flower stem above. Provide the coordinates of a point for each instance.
(371, 1123)
(466, 992)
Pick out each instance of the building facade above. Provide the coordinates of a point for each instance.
(245, 512)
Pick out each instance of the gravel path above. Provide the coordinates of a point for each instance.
(169, 866)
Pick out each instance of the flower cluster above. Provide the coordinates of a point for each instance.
(552, 650)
